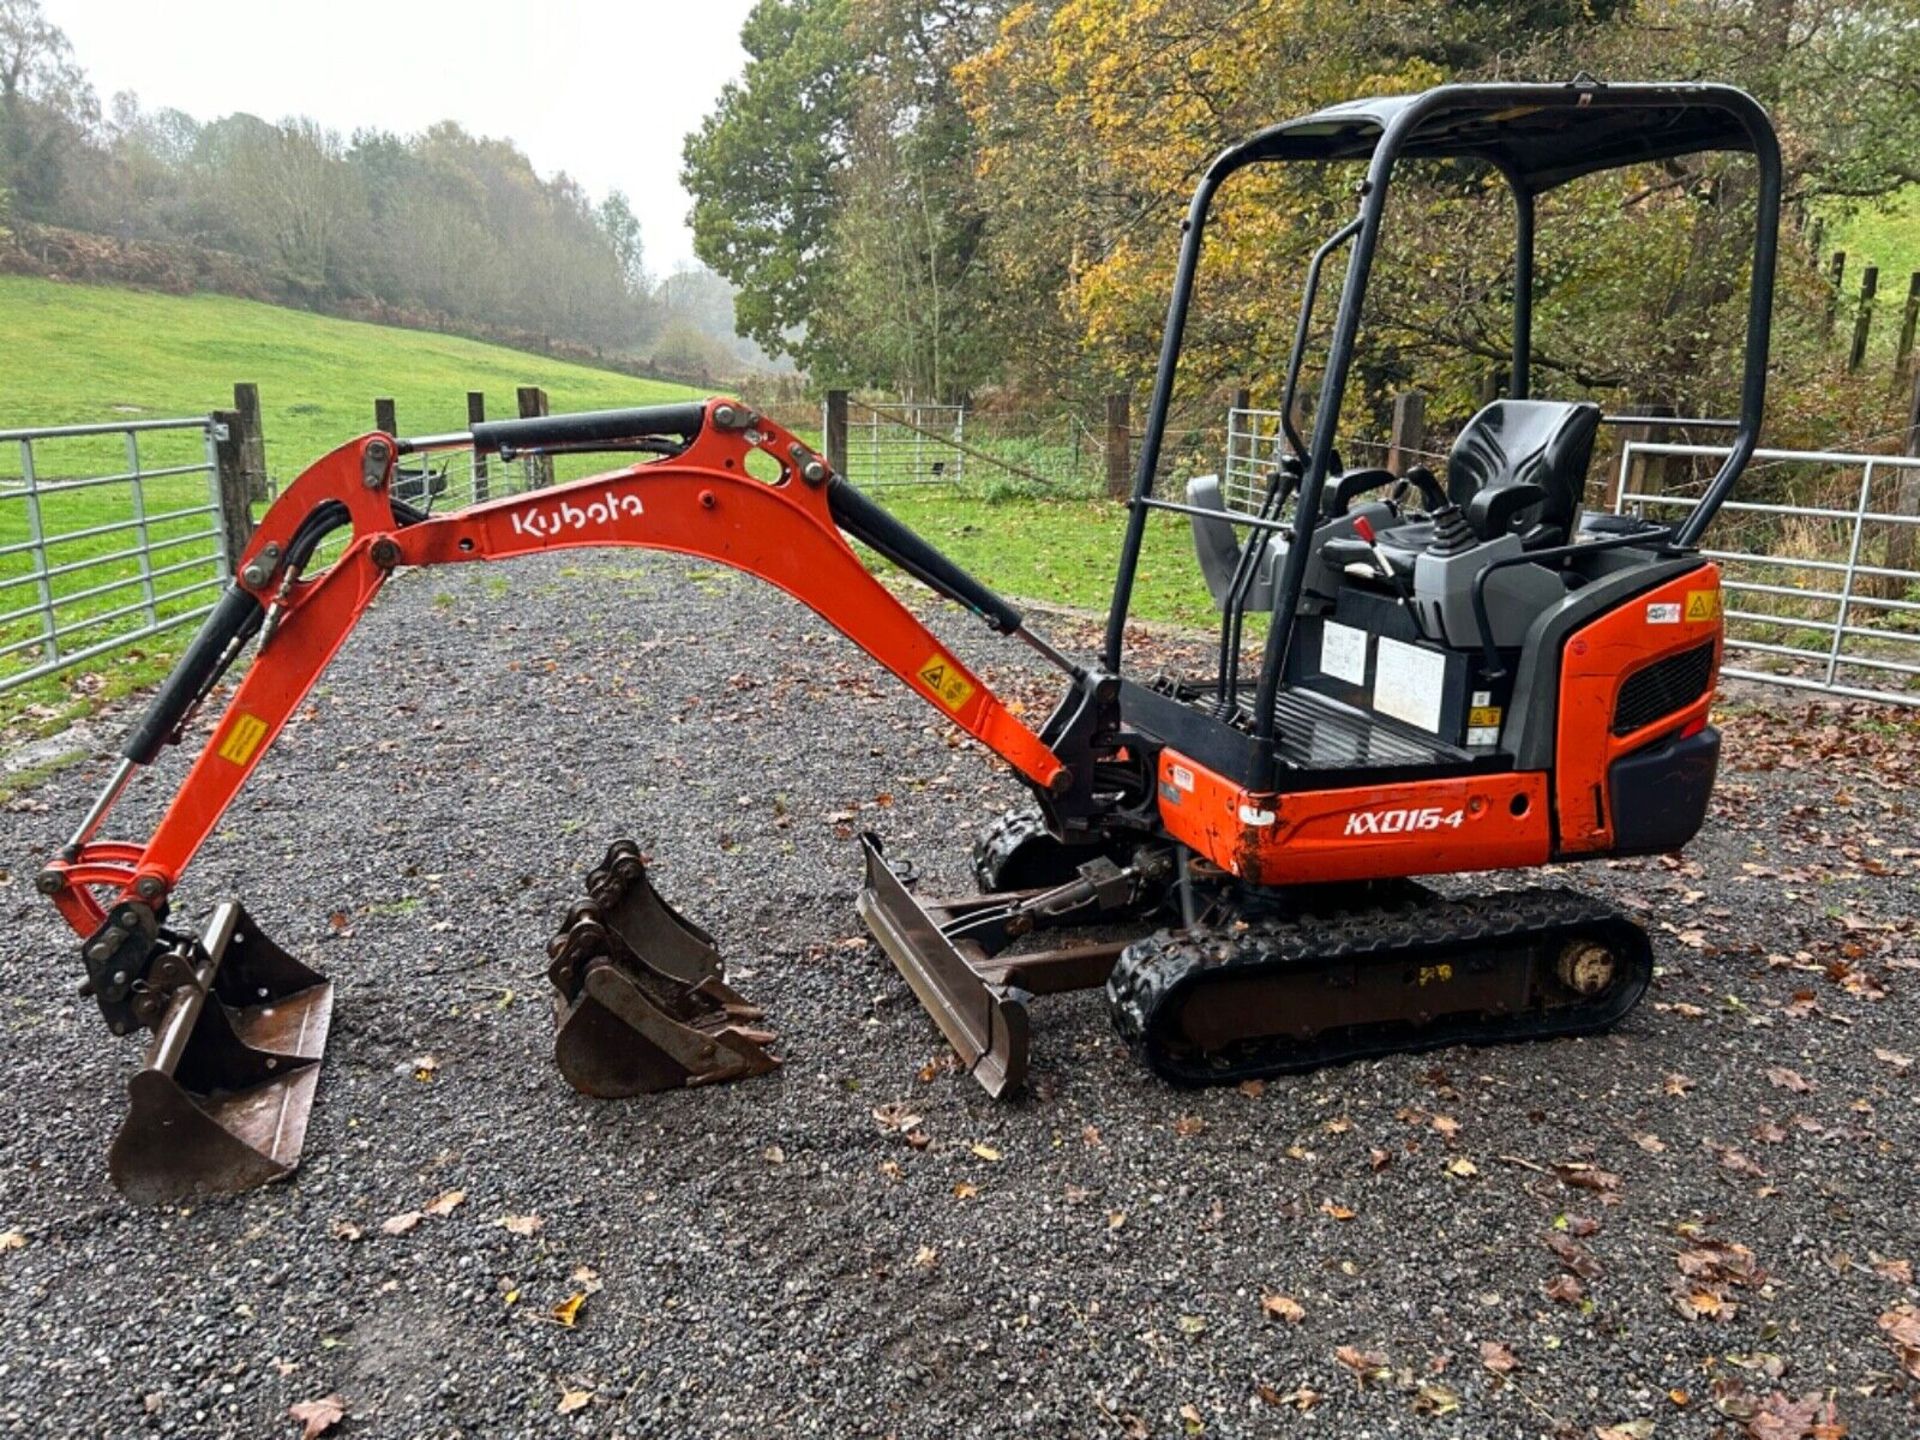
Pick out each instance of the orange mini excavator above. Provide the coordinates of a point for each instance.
(1460, 672)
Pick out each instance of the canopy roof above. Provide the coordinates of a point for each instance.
(1541, 135)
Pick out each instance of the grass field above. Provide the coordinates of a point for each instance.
(87, 355)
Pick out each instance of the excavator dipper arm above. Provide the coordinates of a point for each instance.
(697, 498)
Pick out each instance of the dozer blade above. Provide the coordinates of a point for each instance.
(638, 994)
(986, 1024)
(221, 1102)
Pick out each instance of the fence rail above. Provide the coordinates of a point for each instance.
(1824, 590)
(109, 534)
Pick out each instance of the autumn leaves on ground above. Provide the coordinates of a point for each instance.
(1699, 1226)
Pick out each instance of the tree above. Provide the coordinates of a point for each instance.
(761, 168)
(622, 229)
(46, 106)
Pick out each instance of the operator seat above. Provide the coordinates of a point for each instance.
(1521, 465)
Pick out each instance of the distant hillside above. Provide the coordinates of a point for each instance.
(81, 353)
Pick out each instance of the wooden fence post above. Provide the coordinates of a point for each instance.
(1836, 273)
(533, 401)
(1648, 473)
(230, 470)
(836, 432)
(476, 415)
(1863, 321)
(384, 416)
(1119, 447)
(1408, 437)
(253, 438)
(1904, 540)
(1903, 354)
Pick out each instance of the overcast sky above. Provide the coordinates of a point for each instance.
(602, 89)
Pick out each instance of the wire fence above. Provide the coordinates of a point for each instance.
(109, 534)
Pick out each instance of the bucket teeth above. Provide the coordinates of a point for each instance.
(639, 996)
(220, 1103)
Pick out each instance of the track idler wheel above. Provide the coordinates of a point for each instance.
(638, 995)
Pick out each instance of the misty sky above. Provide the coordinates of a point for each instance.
(601, 89)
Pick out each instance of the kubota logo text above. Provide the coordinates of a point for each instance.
(1403, 822)
(558, 519)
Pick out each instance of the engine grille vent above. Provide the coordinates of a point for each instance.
(1662, 688)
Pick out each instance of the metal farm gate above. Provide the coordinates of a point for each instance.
(109, 534)
(1823, 587)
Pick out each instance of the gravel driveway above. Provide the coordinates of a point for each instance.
(1699, 1226)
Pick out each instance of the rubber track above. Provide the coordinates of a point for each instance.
(1156, 975)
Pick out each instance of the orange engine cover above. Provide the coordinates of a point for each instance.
(1599, 659)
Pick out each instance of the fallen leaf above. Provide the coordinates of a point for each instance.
(425, 1067)
(1365, 1364)
(1302, 1399)
(1898, 1271)
(981, 1151)
(1628, 1430)
(774, 1155)
(12, 1240)
(400, 1224)
(1282, 1307)
(896, 1116)
(340, 1230)
(521, 1225)
(588, 1279)
(1565, 1290)
(1785, 1079)
(573, 1400)
(1115, 1219)
(317, 1417)
(1902, 1327)
(1188, 1126)
(568, 1310)
(1676, 1084)
(1650, 1143)
(1338, 1212)
(1498, 1358)
(925, 1258)
(1192, 1325)
(1253, 1089)
(1582, 1176)
(1446, 1125)
(446, 1202)
(1379, 1159)
(1900, 1063)
(1190, 1420)
(1462, 1168)
(965, 1190)
(1433, 1398)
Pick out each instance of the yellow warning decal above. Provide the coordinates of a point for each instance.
(1481, 715)
(1436, 974)
(943, 676)
(1703, 605)
(243, 738)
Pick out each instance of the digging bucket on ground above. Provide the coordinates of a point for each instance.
(220, 1104)
(639, 997)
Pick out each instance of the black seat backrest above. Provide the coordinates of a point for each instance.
(1547, 443)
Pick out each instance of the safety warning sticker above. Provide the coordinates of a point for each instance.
(243, 738)
(942, 676)
(1703, 605)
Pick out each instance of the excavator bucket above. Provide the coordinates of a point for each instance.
(639, 996)
(220, 1103)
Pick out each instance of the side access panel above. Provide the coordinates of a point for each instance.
(1637, 676)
